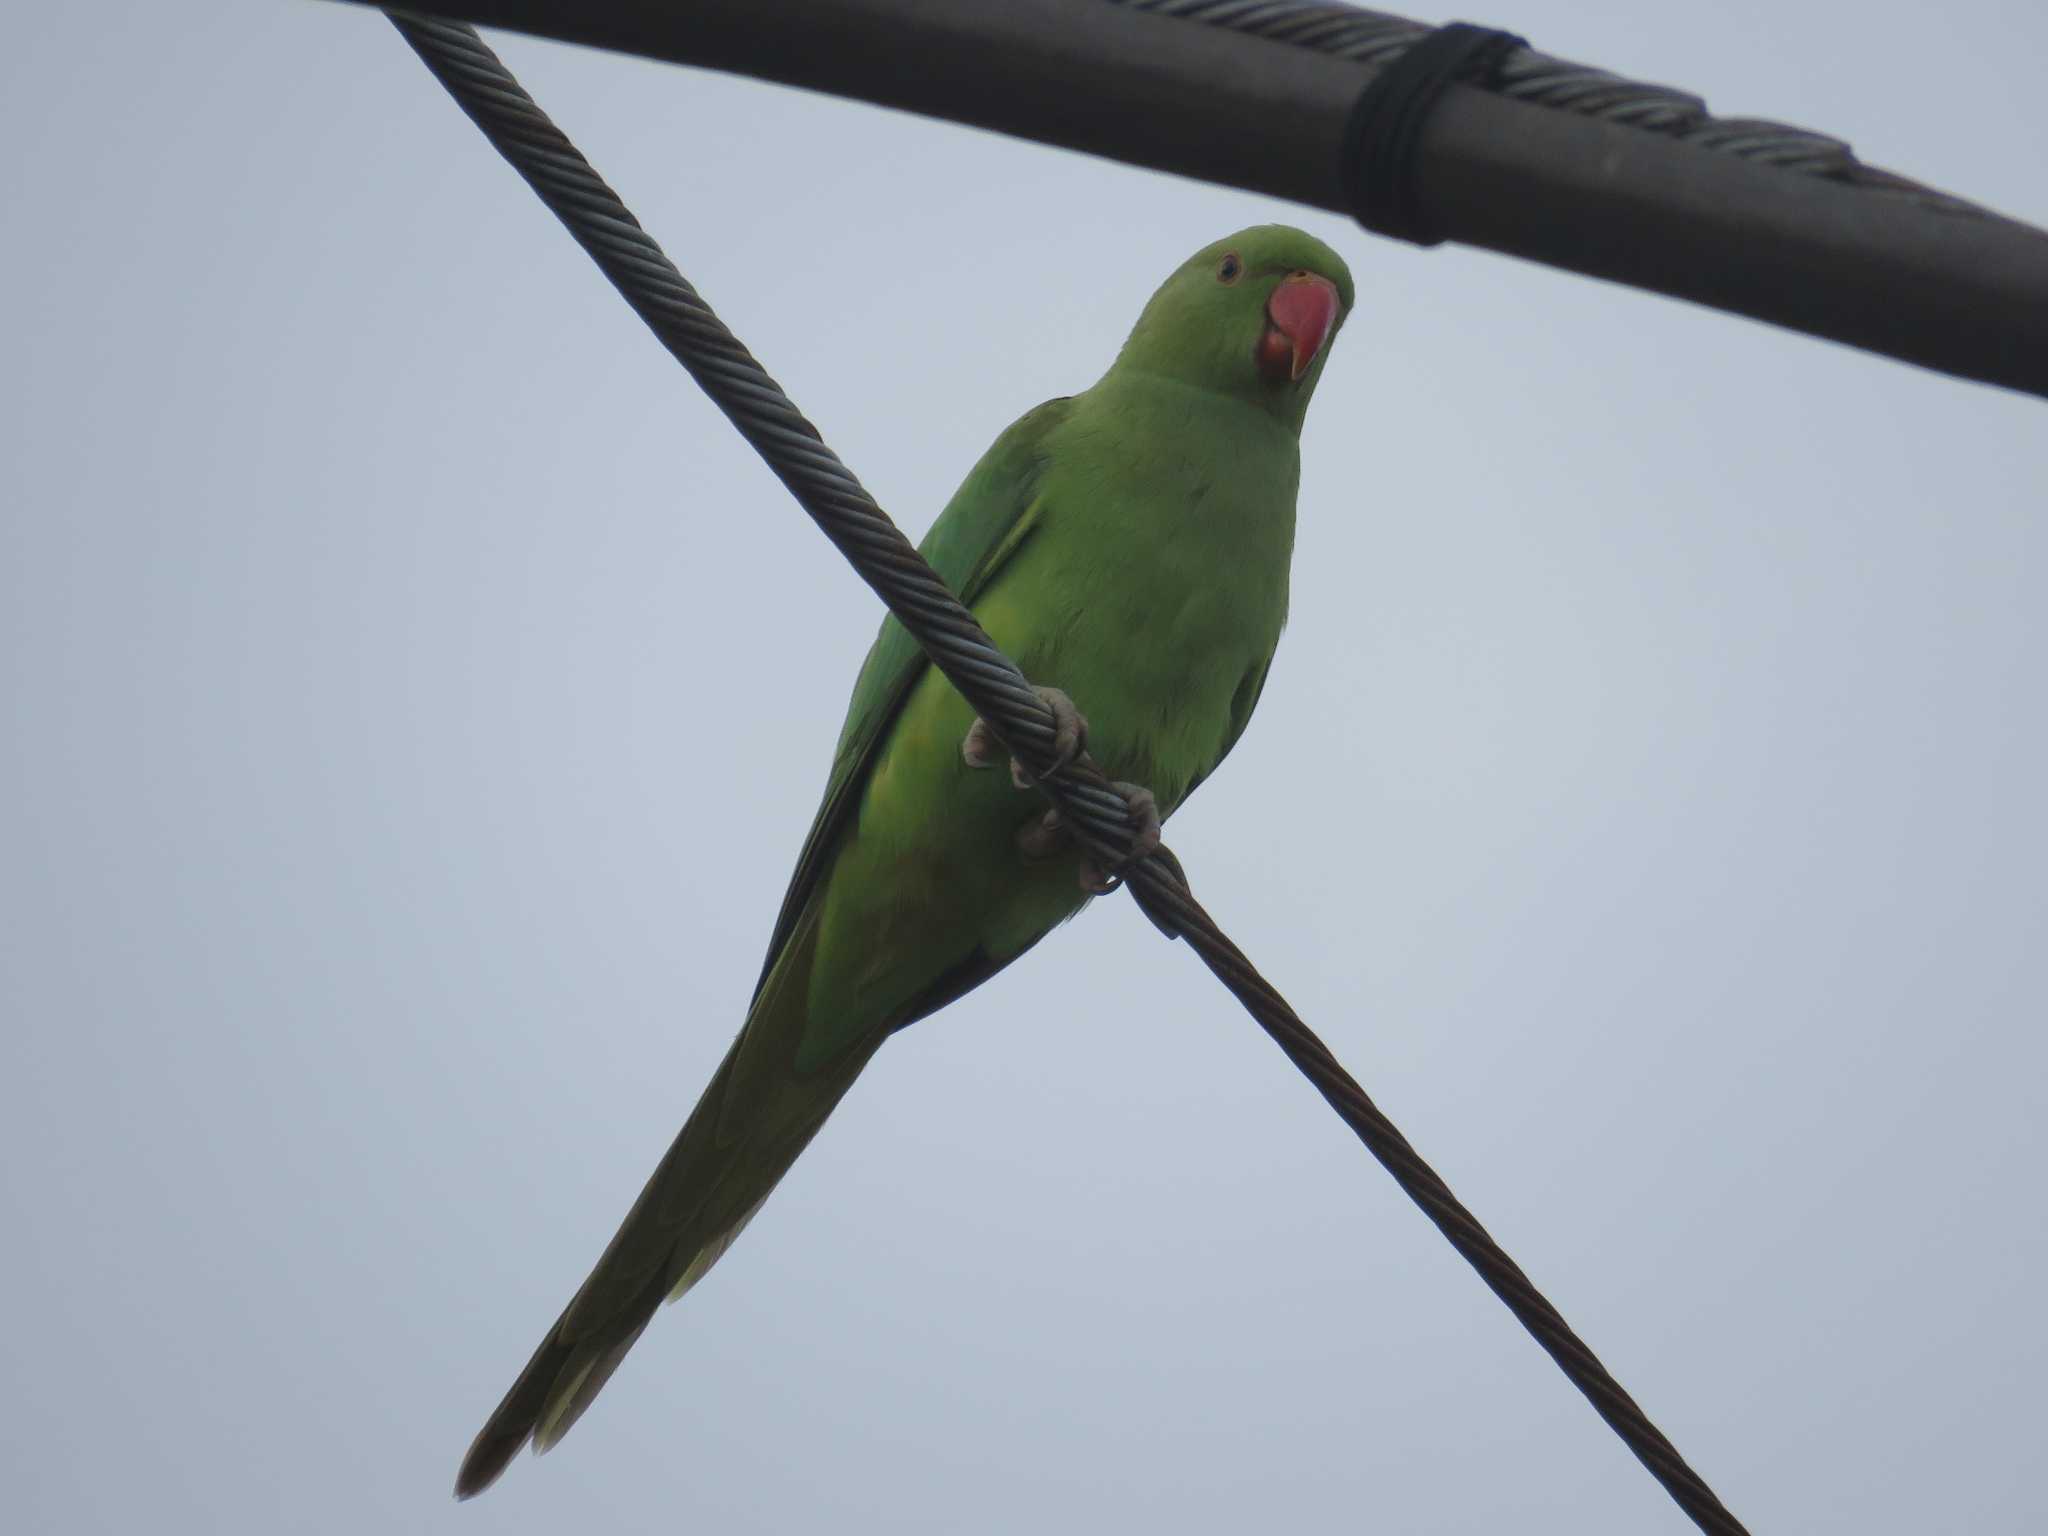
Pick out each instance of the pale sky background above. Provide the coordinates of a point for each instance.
(415, 695)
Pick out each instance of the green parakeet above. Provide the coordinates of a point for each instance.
(1130, 545)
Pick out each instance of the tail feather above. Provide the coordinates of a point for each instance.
(571, 1366)
(577, 1387)
(559, 1382)
(755, 1116)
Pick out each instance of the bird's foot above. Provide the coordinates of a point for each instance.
(1044, 835)
(979, 748)
(1144, 811)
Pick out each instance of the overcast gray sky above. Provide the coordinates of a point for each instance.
(415, 696)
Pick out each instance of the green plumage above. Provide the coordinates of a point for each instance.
(1128, 545)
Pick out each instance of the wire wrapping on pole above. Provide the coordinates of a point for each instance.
(991, 683)
(1386, 124)
(1378, 39)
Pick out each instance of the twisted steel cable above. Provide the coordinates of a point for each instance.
(998, 691)
(1377, 39)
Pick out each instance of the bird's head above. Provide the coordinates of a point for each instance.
(1252, 316)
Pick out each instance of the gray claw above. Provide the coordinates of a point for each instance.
(1145, 812)
(1042, 836)
(980, 748)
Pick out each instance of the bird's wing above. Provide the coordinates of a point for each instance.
(988, 520)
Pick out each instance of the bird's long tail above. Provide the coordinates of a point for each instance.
(754, 1118)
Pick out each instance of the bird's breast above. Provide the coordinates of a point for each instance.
(1167, 565)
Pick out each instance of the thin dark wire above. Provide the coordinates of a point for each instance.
(989, 680)
(1377, 39)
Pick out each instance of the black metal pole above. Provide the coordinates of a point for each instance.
(1967, 295)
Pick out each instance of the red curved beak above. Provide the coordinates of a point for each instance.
(1302, 311)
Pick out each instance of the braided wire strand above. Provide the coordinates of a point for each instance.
(956, 643)
(1377, 39)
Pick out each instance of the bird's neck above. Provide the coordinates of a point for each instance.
(1153, 391)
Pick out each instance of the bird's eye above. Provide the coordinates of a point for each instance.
(1230, 269)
